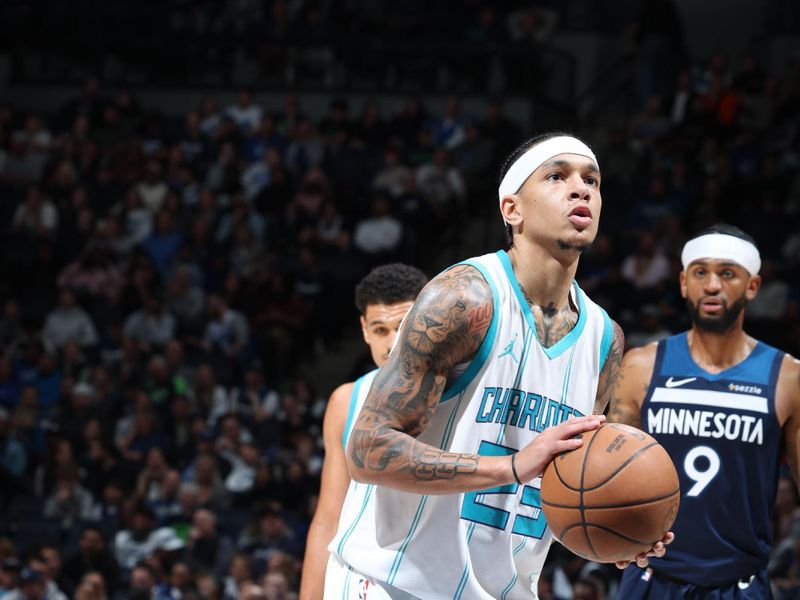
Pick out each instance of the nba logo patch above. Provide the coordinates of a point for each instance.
(647, 574)
(363, 588)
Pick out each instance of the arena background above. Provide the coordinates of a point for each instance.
(190, 189)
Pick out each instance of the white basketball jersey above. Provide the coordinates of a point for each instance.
(357, 396)
(489, 544)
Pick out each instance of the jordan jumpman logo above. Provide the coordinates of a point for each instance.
(509, 351)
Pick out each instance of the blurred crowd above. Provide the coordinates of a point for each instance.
(165, 284)
(165, 279)
(323, 44)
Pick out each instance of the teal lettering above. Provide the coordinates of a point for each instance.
(529, 409)
(512, 407)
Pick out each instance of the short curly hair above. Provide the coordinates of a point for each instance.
(389, 284)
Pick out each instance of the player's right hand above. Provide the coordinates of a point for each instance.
(531, 461)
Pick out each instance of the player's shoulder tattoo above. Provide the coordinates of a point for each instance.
(449, 318)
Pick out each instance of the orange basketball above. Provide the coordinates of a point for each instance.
(613, 497)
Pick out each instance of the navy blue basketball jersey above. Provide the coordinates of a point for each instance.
(724, 437)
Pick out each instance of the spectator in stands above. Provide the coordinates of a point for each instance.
(12, 334)
(379, 235)
(206, 549)
(37, 216)
(136, 221)
(165, 500)
(162, 245)
(245, 113)
(647, 266)
(227, 332)
(143, 583)
(153, 189)
(151, 479)
(68, 322)
(36, 582)
(151, 326)
(205, 474)
(143, 435)
(253, 402)
(92, 555)
(32, 585)
(91, 587)
(449, 130)
(185, 300)
(268, 533)
(70, 501)
(393, 174)
(134, 544)
(207, 395)
(93, 274)
(10, 568)
(240, 572)
(442, 185)
(161, 385)
(276, 586)
(13, 457)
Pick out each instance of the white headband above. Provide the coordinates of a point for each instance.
(722, 247)
(536, 156)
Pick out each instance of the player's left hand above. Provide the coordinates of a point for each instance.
(658, 550)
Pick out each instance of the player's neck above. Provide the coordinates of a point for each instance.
(717, 352)
(545, 280)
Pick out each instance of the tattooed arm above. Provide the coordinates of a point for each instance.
(610, 373)
(445, 327)
(631, 385)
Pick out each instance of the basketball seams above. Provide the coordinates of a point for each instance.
(609, 530)
(623, 505)
(616, 471)
(582, 508)
(561, 479)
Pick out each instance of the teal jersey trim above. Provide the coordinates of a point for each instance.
(511, 583)
(462, 583)
(567, 373)
(351, 412)
(349, 532)
(402, 550)
(476, 364)
(608, 337)
(568, 340)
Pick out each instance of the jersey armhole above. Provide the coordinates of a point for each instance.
(351, 411)
(477, 362)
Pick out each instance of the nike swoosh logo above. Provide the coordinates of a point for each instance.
(671, 383)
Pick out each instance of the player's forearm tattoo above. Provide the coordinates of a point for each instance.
(610, 375)
(445, 326)
(435, 464)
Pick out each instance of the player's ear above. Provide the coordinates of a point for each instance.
(752, 287)
(509, 209)
(364, 330)
(683, 283)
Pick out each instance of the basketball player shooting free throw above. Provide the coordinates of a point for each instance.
(500, 363)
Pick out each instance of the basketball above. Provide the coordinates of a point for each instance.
(613, 497)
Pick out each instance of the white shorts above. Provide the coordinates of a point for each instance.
(342, 582)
